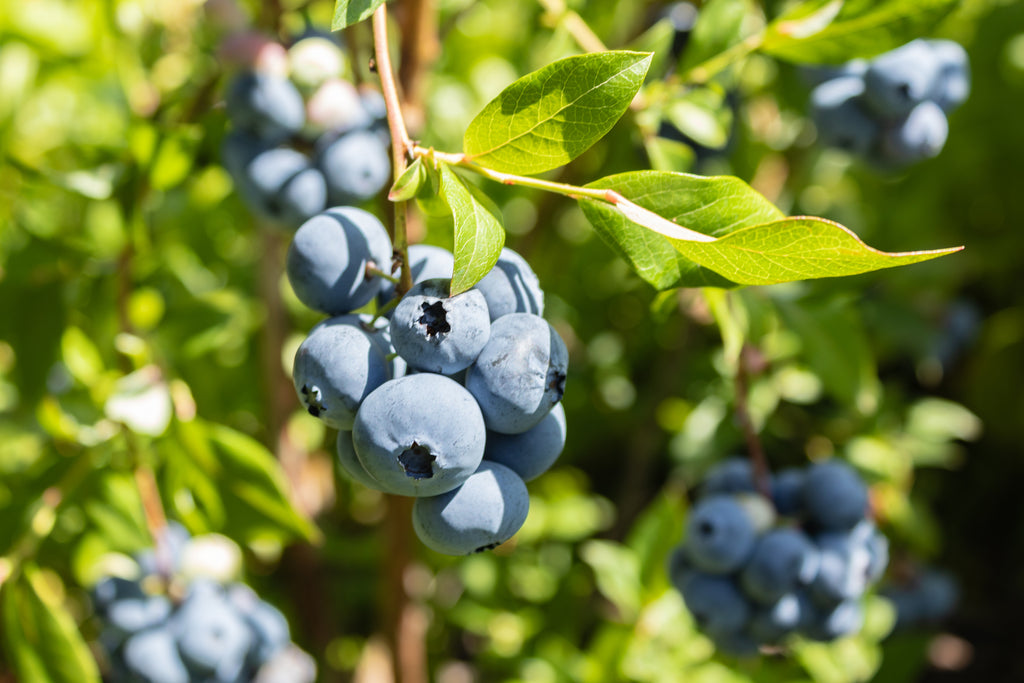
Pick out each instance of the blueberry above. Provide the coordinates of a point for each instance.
(732, 475)
(953, 84)
(783, 559)
(720, 535)
(679, 567)
(511, 287)
(839, 117)
(302, 197)
(533, 452)
(350, 464)
(238, 150)
(212, 636)
(845, 568)
(356, 167)
(328, 257)
(264, 178)
(267, 105)
(425, 262)
(335, 369)
(900, 79)
(787, 491)
(152, 656)
(771, 623)
(112, 589)
(291, 665)
(834, 496)
(844, 619)
(816, 75)
(436, 332)
(520, 373)
(131, 615)
(487, 510)
(920, 136)
(336, 107)
(716, 603)
(419, 435)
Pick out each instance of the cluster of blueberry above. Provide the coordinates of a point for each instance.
(292, 156)
(169, 623)
(454, 400)
(754, 571)
(892, 110)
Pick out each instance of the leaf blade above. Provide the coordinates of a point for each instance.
(479, 235)
(549, 117)
(348, 12)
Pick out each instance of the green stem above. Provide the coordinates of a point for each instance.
(707, 69)
(573, 23)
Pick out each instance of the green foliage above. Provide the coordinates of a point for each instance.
(479, 235)
(349, 12)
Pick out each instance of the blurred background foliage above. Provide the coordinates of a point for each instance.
(146, 333)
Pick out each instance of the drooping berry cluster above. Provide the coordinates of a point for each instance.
(754, 572)
(892, 110)
(174, 617)
(454, 400)
(303, 138)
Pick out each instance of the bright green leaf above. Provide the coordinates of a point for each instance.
(551, 116)
(719, 25)
(753, 245)
(712, 205)
(42, 641)
(348, 12)
(835, 32)
(479, 235)
(410, 182)
(702, 115)
(81, 356)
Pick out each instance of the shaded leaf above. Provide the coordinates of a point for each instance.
(617, 573)
(348, 12)
(479, 235)
(719, 25)
(41, 638)
(549, 117)
(835, 32)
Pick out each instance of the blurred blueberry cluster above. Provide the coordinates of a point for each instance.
(303, 137)
(754, 570)
(175, 615)
(892, 109)
(454, 400)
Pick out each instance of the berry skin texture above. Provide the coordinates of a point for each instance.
(783, 560)
(900, 79)
(328, 256)
(153, 657)
(840, 118)
(350, 464)
(533, 452)
(922, 135)
(720, 535)
(265, 104)
(356, 167)
(511, 287)
(487, 510)
(834, 496)
(716, 603)
(435, 332)
(336, 367)
(520, 373)
(419, 435)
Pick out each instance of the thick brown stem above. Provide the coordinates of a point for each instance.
(420, 47)
(749, 358)
(404, 621)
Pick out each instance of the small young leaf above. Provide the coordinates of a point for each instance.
(479, 235)
(410, 182)
(42, 641)
(348, 12)
(858, 29)
(551, 116)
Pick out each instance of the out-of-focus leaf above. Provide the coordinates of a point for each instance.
(40, 636)
(617, 572)
(348, 12)
(719, 26)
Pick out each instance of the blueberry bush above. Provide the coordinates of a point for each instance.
(542, 340)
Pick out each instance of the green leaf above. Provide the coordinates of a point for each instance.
(479, 235)
(836, 31)
(617, 573)
(719, 25)
(548, 118)
(410, 183)
(658, 41)
(702, 115)
(669, 155)
(753, 245)
(42, 640)
(713, 205)
(348, 12)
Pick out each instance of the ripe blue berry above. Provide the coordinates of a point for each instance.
(268, 105)
(487, 510)
(531, 453)
(840, 119)
(834, 496)
(720, 535)
(900, 79)
(716, 603)
(783, 560)
(511, 287)
(356, 167)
